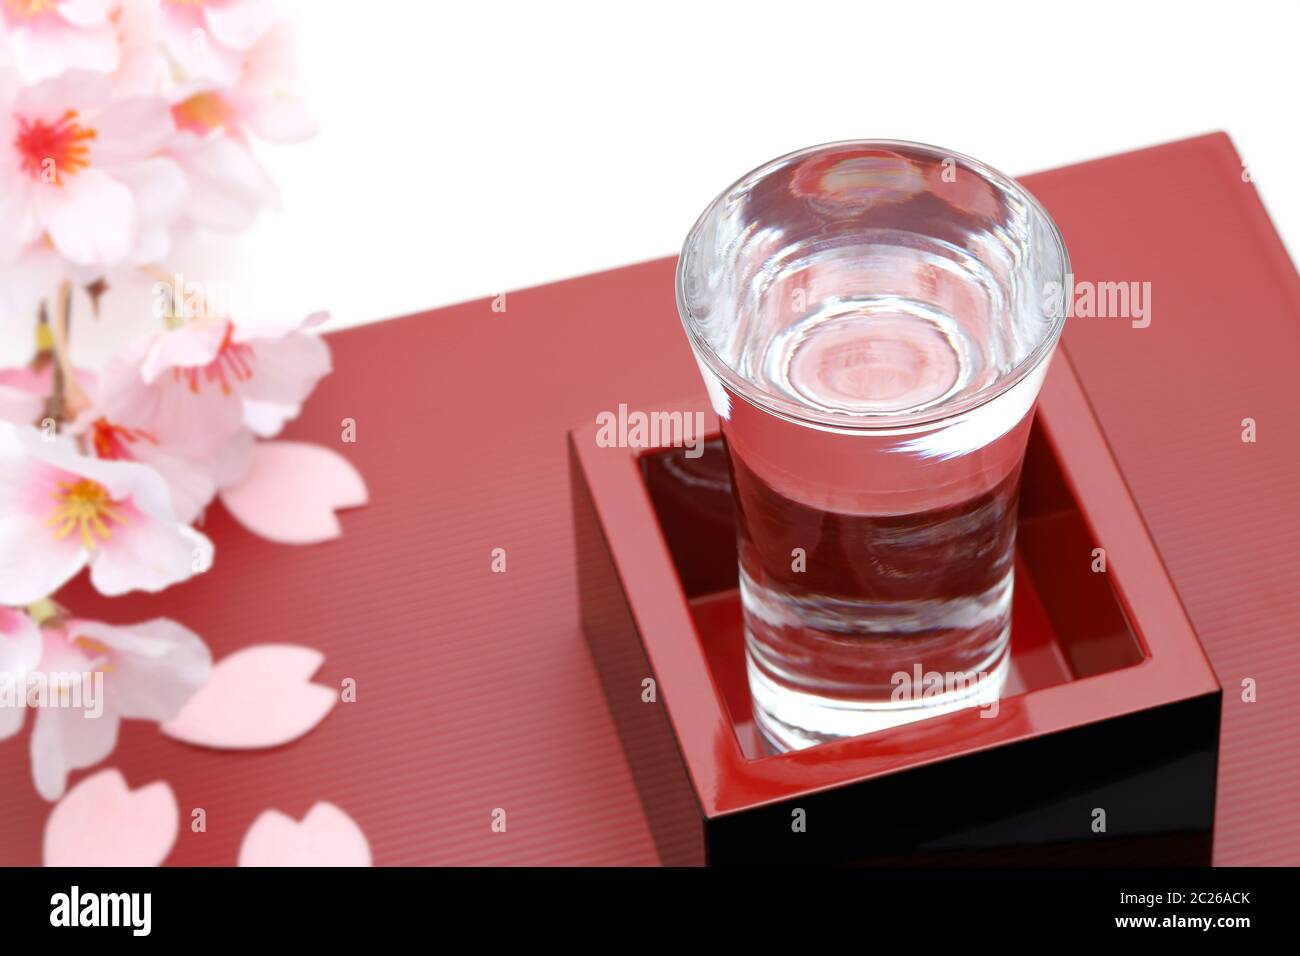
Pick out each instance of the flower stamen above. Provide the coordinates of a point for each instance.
(26, 9)
(50, 151)
(232, 364)
(96, 647)
(114, 441)
(202, 113)
(83, 506)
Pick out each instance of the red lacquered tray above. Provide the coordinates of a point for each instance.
(476, 690)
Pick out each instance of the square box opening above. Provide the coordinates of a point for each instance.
(1067, 621)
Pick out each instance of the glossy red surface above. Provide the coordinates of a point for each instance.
(477, 691)
(717, 741)
(1171, 398)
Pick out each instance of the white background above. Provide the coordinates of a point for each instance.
(470, 148)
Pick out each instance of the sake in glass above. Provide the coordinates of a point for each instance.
(873, 321)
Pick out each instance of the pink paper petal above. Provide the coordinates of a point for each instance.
(101, 822)
(326, 837)
(261, 696)
(292, 492)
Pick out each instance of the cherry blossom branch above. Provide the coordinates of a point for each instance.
(46, 611)
(45, 338)
(66, 398)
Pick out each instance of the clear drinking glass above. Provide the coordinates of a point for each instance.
(873, 320)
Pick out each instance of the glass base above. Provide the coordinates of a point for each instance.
(794, 720)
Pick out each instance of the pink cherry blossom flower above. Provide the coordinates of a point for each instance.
(217, 124)
(144, 69)
(192, 442)
(22, 394)
(266, 369)
(20, 648)
(28, 275)
(189, 401)
(84, 170)
(48, 37)
(210, 38)
(20, 652)
(260, 103)
(61, 511)
(91, 676)
(227, 185)
(190, 469)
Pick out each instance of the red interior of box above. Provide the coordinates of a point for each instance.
(1067, 622)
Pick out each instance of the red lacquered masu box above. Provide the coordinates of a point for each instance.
(1104, 748)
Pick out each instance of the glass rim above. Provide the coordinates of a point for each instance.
(801, 415)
